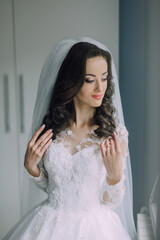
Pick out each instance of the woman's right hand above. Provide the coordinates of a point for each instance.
(35, 152)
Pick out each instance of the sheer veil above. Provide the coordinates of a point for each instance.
(31, 195)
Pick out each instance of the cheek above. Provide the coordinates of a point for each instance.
(105, 86)
(84, 91)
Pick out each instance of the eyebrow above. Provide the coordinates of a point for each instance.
(95, 75)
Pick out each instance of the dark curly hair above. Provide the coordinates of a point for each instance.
(69, 80)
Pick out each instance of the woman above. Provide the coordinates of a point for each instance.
(81, 150)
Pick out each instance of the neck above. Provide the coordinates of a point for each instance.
(84, 117)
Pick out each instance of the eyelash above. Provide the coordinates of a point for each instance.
(89, 81)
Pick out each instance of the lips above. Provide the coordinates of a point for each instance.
(97, 96)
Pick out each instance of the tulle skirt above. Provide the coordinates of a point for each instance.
(44, 222)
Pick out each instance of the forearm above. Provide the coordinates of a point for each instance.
(34, 172)
(114, 192)
(40, 178)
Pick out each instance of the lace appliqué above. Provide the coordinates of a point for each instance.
(42, 180)
(66, 138)
(83, 143)
(115, 193)
(122, 132)
(123, 136)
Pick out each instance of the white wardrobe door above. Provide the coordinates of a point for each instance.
(9, 176)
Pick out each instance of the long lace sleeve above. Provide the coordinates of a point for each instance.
(113, 194)
(42, 180)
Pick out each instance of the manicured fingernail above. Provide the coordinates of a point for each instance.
(43, 125)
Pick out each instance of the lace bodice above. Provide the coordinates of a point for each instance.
(78, 179)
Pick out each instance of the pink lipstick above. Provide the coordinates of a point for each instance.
(97, 96)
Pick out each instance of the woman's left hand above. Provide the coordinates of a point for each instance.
(112, 158)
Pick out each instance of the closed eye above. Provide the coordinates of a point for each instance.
(89, 81)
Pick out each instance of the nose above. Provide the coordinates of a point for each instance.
(99, 86)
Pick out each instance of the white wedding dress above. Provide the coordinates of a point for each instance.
(74, 209)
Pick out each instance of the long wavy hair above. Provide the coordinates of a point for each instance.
(69, 80)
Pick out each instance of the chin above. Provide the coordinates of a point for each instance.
(98, 104)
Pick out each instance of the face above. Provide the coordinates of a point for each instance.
(95, 83)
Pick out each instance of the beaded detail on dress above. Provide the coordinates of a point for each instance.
(75, 185)
(67, 171)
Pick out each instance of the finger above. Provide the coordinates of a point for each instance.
(43, 149)
(35, 136)
(107, 147)
(117, 143)
(112, 146)
(43, 136)
(42, 143)
(102, 146)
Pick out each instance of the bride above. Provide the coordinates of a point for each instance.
(79, 157)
